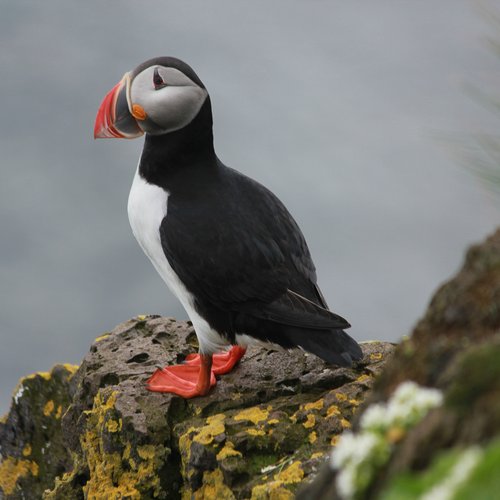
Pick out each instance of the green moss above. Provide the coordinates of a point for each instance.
(257, 462)
(411, 486)
(484, 481)
(478, 373)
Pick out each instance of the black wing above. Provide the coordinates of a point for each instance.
(236, 246)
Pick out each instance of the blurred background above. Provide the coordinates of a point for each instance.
(357, 115)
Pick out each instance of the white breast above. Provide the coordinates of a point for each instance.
(147, 207)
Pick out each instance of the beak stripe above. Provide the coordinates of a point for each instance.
(104, 128)
(114, 118)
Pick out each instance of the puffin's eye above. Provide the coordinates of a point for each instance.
(158, 80)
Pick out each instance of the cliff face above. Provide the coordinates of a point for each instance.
(263, 430)
(452, 450)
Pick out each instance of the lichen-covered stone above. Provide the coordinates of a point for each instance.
(32, 452)
(118, 432)
(303, 405)
(264, 429)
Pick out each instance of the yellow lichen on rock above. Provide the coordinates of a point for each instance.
(228, 451)
(341, 397)
(13, 469)
(292, 474)
(105, 468)
(146, 452)
(310, 417)
(113, 425)
(333, 411)
(345, 423)
(126, 451)
(256, 432)
(101, 337)
(213, 487)
(185, 442)
(316, 405)
(103, 403)
(255, 414)
(214, 426)
(271, 491)
(71, 368)
(58, 412)
(310, 422)
(48, 408)
(312, 438)
(108, 477)
(27, 450)
(276, 489)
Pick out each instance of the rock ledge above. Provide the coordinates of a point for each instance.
(260, 433)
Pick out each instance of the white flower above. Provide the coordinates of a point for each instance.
(346, 482)
(410, 392)
(357, 457)
(374, 418)
(410, 403)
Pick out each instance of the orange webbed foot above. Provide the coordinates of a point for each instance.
(184, 380)
(222, 362)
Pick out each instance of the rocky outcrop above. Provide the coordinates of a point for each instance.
(32, 451)
(263, 430)
(454, 448)
(430, 428)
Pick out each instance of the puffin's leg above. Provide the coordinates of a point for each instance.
(222, 362)
(187, 381)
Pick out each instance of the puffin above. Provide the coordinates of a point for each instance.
(225, 245)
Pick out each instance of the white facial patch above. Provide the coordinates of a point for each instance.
(170, 107)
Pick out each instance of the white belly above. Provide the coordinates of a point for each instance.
(147, 206)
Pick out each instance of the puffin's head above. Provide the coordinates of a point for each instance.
(159, 96)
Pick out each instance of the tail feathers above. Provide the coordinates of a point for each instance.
(334, 346)
(296, 310)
